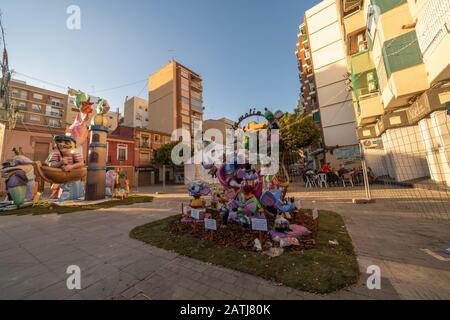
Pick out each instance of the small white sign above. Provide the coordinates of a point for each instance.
(195, 214)
(315, 214)
(210, 224)
(299, 204)
(259, 224)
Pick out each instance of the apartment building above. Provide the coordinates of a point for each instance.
(322, 30)
(175, 98)
(308, 93)
(399, 66)
(308, 102)
(221, 124)
(136, 113)
(41, 114)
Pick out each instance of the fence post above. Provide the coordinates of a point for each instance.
(365, 174)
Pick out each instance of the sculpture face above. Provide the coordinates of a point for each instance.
(66, 146)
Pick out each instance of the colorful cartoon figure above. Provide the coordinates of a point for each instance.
(122, 185)
(198, 190)
(273, 118)
(68, 159)
(20, 181)
(111, 178)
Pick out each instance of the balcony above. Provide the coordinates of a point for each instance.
(370, 107)
(354, 21)
(427, 103)
(391, 121)
(196, 85)
(367, 132)
(361, 62)
(53, 114)
(145, 145)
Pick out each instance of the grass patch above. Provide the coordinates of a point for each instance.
(47, 207)
(324, 269)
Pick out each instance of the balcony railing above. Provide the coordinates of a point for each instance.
(196, 85)
(53, 114)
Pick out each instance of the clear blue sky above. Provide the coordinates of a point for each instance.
(244, 49)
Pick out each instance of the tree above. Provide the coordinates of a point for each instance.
(298, 132)
(163, 156)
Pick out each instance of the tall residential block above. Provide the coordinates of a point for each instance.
(136, 113)
(175, 98)
(329, 67)
(308, 94)
(399, 70)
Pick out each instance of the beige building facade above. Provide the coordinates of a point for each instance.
(328, 59)
(136, 113)
(175, 98)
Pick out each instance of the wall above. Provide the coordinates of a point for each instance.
(330, 69)
(162, 106)
(405, 153)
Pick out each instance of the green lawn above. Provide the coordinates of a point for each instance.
(46, 207)
(324, 269)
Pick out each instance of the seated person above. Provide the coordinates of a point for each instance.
(342, 170)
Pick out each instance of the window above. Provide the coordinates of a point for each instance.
(184, 74)
(52, 112)
(157, 138)
(54, 123)
(122, 152)
(34, 117)
(185, 100)
(38, 96)
(72, 100)
(36, 107)
(22, 106)
(23, 95)
(145, 141)
(55, 102)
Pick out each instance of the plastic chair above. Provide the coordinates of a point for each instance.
(322, 180)
(310, 182)
(347, 177)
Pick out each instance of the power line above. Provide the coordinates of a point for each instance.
(66, 87)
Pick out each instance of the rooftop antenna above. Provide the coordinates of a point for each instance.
(172, 53)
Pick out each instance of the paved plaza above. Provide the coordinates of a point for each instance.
(35, 252)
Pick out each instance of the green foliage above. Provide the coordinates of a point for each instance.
(163, 156)
(298, 131)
